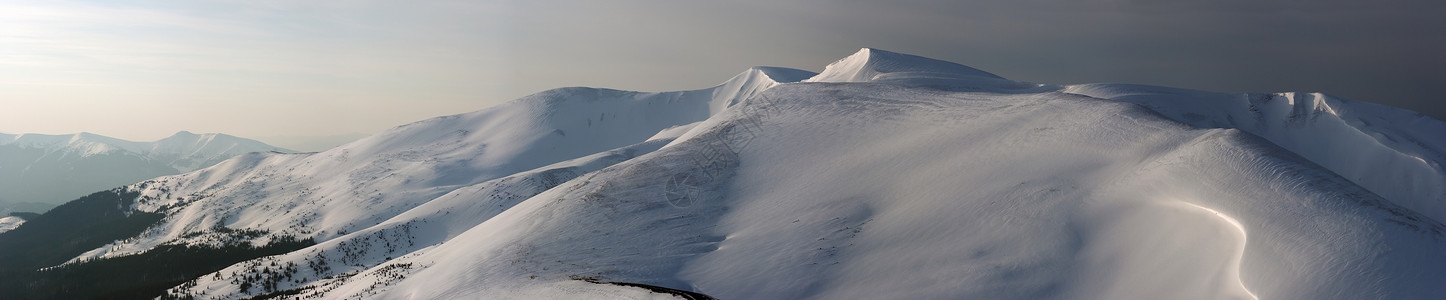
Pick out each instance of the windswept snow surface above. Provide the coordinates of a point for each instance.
(1394, 153)
(887, 176)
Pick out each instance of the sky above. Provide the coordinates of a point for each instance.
(288, 72)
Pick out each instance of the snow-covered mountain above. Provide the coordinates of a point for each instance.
(886, 175)
(47, 170)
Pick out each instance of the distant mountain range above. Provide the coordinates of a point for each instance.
(39, 171)
(885, 176)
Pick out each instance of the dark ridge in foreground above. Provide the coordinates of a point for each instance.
(71, 229)
(142, 276)
(31, 252)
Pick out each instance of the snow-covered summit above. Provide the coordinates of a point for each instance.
(188, 151)
(868, 63)
(751, 82)
(1392, 152)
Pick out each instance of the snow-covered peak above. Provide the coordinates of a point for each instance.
(751, 82)
(84, 143)
(189, 153)
(202, 150)
(869, 63)
(784, 75)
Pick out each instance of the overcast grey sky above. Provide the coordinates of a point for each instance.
(142, 70)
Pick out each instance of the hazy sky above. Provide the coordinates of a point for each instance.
(143, 70)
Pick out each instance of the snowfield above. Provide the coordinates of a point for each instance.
(886, 176)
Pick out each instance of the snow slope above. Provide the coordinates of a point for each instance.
(330, 194)
(885, 176)
(52, 169)
(1394, 153)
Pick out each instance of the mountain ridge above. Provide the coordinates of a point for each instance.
(44, 168)
(885, 176)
